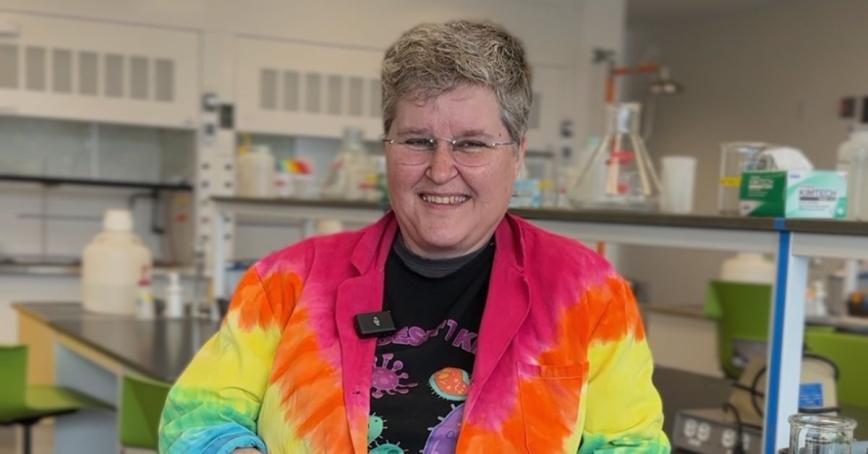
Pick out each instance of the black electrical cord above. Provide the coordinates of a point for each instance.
(756, 394)
(739, 428)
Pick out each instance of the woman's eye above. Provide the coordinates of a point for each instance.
(419, 142)
(470, 145)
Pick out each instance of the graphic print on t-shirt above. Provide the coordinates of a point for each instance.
(388, 379)
(450, 383)
(444, 436)
(422, 372)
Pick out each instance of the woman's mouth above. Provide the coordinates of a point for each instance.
(451, 199)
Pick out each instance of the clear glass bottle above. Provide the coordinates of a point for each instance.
(348, 172)
(620, 167)
(821, 434)
(735, 158)
(853, 159)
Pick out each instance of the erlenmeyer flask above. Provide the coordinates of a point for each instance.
(621, 170)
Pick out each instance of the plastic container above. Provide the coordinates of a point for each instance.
(113, 263)
(853, 159)
(749, 268)
(145, 303)
(678, 177)
(255, 173)
(174, 301)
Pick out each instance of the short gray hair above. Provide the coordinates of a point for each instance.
(431, 59)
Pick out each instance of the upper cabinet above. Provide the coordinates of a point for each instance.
(291, 88)
(99, 71)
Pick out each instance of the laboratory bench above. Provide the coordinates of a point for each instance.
(792, 241)
(91, 352)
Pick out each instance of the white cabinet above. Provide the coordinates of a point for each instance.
(89, 70)
(291, 88)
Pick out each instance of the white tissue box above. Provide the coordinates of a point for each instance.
(817, 194)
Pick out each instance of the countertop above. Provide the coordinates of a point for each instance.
(159, 349)
(68, 266)
(823, 226)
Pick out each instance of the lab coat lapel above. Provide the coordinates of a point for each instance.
(356, 295)
(506, 307)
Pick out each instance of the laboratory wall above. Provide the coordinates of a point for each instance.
(219, 42)
(773, 72)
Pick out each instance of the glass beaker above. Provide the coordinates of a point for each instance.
(820, 434)
(620, 165)
(857, 185)
(735, 158)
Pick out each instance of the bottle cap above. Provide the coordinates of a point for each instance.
(117, 220)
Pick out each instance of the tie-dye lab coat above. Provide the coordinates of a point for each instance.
(562, 361)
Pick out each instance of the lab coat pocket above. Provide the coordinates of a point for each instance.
(550, 403)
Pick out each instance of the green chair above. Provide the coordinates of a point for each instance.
(142, 403)
(742, 313)
(23, 404)
(850, 353)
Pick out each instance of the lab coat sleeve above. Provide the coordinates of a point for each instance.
(624, 410)
(214, 405)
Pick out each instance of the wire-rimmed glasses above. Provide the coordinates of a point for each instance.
(471, 152)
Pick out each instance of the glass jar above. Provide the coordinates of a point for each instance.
(820, 434)
(735, 158)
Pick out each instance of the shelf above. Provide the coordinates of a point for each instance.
(57, 181)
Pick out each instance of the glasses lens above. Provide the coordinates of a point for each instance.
(470, 152)
(413, 151)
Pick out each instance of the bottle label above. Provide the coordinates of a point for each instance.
(730, 182)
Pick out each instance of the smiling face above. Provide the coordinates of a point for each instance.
(446, 209)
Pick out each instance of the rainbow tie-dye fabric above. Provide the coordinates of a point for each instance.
(562, 362)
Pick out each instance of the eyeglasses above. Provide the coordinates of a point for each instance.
(467, 152)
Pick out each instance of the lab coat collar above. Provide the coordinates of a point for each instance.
(507, 306)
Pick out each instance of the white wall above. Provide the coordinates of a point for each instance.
(558, 35)
(772, 73)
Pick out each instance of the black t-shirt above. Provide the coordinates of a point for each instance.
(422, 371)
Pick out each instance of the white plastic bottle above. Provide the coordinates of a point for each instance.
(174, 302)
(255, 173)
(112, 265)
(749, 268)
(853, 159)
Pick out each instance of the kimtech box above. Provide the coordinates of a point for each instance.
(819, 194)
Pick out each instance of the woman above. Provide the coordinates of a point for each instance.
(508, 338)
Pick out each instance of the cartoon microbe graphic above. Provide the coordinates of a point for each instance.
(386, 380)
(450, 383)
(376, 425)
(386, 448)
(444, 435)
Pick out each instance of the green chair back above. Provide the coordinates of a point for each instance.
(13, 376)
(142, 403)
(850, 353)
(742, 312)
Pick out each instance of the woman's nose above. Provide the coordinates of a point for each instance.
(442, 166)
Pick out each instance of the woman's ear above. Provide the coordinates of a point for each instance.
(519, 159)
